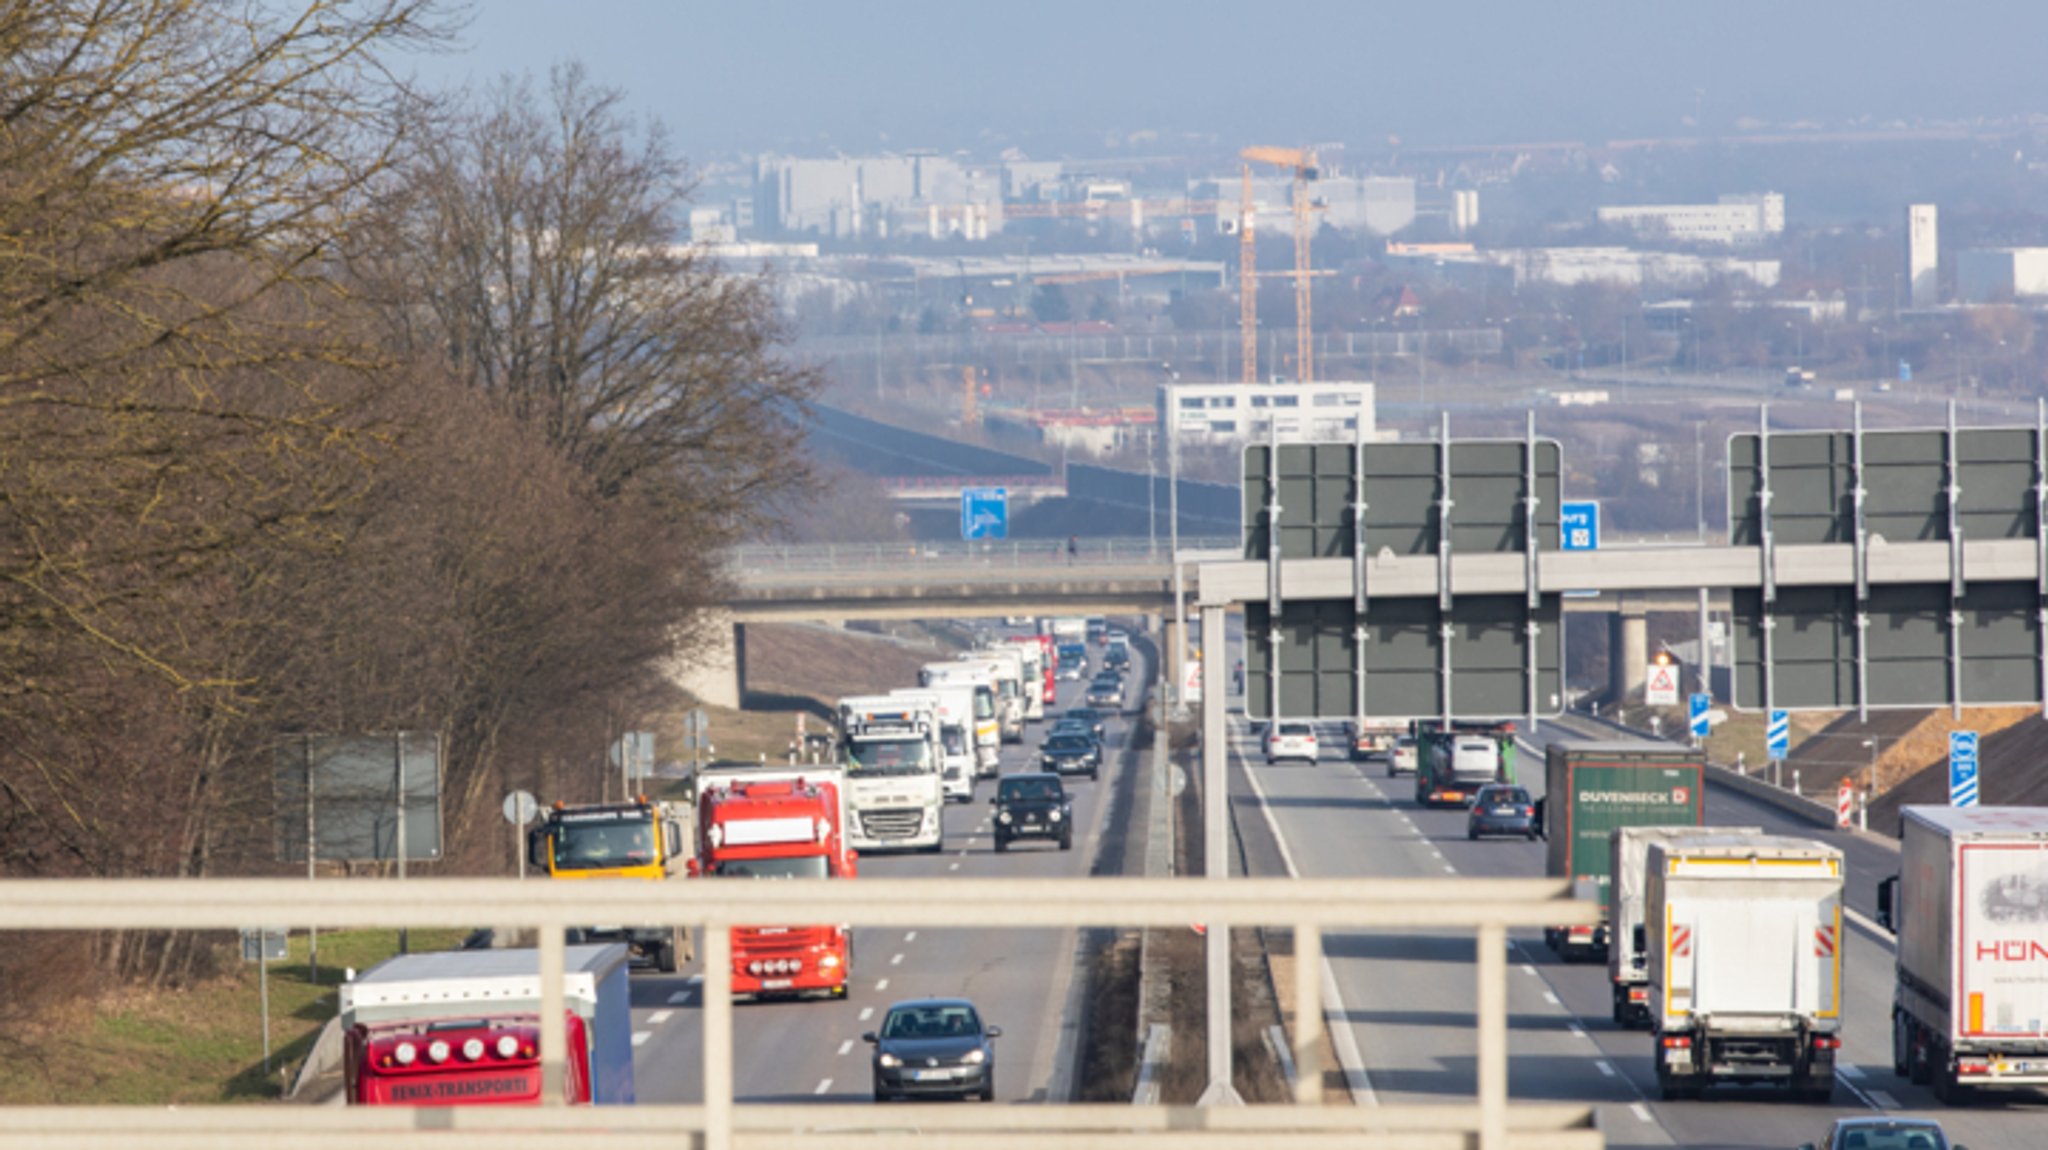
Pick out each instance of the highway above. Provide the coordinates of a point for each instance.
(811, 1050)
(1406, 1000)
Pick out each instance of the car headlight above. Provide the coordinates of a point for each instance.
(1003, 817)
(888, 1060)
(1055, 816)
(976, 1057)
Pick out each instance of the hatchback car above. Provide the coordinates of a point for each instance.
(1088, 717)
(1065, 753)
(1033, 806)
(1404, 759)
(1290, 741)
(934, 1047)
(1502, 809)
(1106, 691)
(1884, 1133)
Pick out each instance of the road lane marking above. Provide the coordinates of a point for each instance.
(659, 1017)
(678, 998)
(694, 979)
(823, 1086)
(896, 960)
(846, 1047)
(1528, 969)
(641, 1036)
(866, 1012)
(1849, 1070)
(963, 852)
(1881, 1100)
(882, 985)
(1602, 1066)
(1642, 1112)
(1551, 998)
(952, 866)
(1449, 869)
(910, 936)
(1579, 1031)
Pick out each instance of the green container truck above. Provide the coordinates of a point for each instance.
(1590, 790)
(1452, 762)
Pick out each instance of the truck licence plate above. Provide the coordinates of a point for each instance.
(776, 984)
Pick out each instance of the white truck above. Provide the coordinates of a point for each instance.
(1745, 976)
(955, 707)
(1006, 676)
(1628, 952)
(988, 730)
(893, 756)
(1030, 674)
(1970, 908)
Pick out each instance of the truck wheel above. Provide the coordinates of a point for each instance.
(1902, 1047)
(1621, 1007)
(1921, 1059)
(665, 957)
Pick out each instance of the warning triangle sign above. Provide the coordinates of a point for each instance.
(1660, 685)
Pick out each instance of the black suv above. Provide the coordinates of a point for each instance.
(1070, 753)
(1033, 806)
(1086, 716)
(1118, 656)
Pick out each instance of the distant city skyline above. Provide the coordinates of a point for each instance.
(1065, 78)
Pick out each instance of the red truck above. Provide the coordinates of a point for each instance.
(779, 824)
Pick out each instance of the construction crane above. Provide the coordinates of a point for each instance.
(1303, 165)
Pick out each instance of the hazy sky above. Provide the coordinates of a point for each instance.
(1061, 76)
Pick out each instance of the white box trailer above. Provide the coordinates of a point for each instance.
(1628, 950)
(1970, 907)
(981, 679)
(1745, 974)
(954, 704)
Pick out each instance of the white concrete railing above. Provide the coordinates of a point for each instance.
(1310, 906)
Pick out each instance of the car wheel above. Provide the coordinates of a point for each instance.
(1092, 776)
(1471, 833)
(1002, 844)
(988, 1092)
(882, 1095)
(1067, 842)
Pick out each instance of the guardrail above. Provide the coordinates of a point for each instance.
(768, 558)
(1310, 906)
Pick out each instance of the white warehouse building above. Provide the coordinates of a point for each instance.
(1731, 220)
(1214, 414)
(1987, 275)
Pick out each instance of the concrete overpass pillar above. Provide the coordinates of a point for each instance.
(1628, 650)
(714, 671)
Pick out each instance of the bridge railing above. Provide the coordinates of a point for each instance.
(769, 558)
(1310, 906)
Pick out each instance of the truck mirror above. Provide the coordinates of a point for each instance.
(1885, 897)
(1638, 939)
(537, 848)
(673, 831)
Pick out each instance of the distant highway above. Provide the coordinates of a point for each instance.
(1022, 980)
(1408, 998)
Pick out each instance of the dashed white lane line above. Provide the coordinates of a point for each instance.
(641, 1036)
(1882, 1100)
(823, 1086)
(1449, 869)
(1579, 1031)
(678, 998)
(659, 1017)
(1528, 968)
(846, 1047)
(963, 854)
(881, 984)
(1603, 1068)
(1849, 1070)
(910, 936)
(895, 960)
(1642, 1112)
(866, 1012)
(1551, 998)
(952, 866)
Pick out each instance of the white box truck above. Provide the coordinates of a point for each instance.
(1745, 971)
(1006, 676)
(954, 705)
(893, 759)
(1628, 952)
(988, 731)
(1970, 907)
(1031, 674)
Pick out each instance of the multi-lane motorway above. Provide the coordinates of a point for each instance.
(1023, 981)
(1407, 999)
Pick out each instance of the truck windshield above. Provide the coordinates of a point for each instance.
(906, 756)
(596, 846)
(954, 738)
(984, 703)
(805, 866)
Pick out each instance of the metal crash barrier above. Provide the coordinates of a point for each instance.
(1310, 906)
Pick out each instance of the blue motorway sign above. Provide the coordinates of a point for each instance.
(1778, 735)
(984, 513)
(1580, 524)
(1701, 703)
(1962, 768)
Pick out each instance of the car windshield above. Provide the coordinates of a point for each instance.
(950, 1021)
(1086, 716)
(1891, 1136)
(1028, 790)
(1295, 730)
(808, 866)
(596, 846)
(1066, 743)
(1073, 653)
(870, 757)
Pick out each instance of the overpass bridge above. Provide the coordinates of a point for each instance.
(836, 583)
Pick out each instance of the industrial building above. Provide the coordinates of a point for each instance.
(1381, 205)
(1567, 266)
(848, 197)
(1736, 219)
(1991, 275)
(1923, 255)
(1216, 414)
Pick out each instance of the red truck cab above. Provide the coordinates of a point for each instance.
(784, 828)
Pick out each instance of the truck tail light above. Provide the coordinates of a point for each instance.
(1677, 1042)
(473, 1050)
(1826, 1042)
(437, 1051)
(1973, 1068)
(507, 1046)
(406, 1054)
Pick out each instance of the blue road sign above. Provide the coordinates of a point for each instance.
(1962, 768)
(1581, 525)
(1701, 703)
(1778, 735)
(984, 513)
